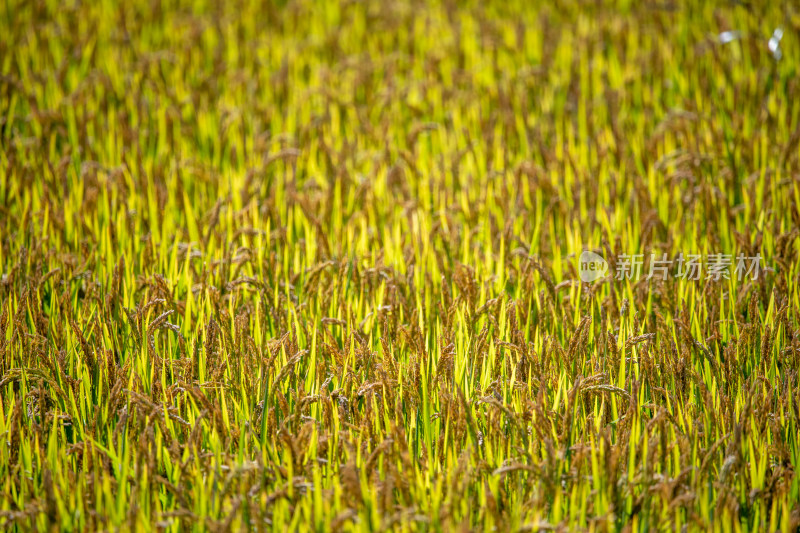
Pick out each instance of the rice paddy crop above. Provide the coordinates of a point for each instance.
(317, 266)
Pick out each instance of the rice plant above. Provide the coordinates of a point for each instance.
(298, 266)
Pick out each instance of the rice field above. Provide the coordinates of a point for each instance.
(399, 266)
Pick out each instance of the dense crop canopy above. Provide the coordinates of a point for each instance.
(319, 265)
